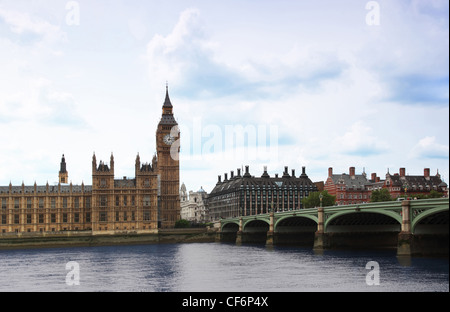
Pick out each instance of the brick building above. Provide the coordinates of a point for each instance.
(348, 188)
(355, 188)
(402, 185)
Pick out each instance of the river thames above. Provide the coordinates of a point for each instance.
(215, 267)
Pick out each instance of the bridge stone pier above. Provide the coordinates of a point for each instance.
(419, 227)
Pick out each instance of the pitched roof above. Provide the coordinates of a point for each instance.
(40, 189)
(358, 181)
(416, 181)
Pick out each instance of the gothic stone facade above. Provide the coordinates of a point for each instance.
(108, 206)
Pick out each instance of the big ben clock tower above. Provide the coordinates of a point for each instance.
(168, 166)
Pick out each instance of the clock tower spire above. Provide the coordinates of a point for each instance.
(167, 146)
(167, 107)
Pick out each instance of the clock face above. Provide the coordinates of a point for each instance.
(168, 139)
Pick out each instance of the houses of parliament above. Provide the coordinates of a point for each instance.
(144, 204)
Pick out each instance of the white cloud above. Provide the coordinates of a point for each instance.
(429, 147)
(23, 23)
(40, 102)
(359, 140)
(173, 56)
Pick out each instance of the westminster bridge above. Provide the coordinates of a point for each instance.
(413, 227)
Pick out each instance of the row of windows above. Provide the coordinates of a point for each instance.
(103, 183)
(255, 210)
(125, 216)
(104, 201)
(276, 187)
(354, 196)
(275, 197)
(77, 202)
(253, 194)
(125, 201)
(41, 218)
(103, 216)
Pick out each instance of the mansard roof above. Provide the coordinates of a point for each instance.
(265, 181)
(168, 119)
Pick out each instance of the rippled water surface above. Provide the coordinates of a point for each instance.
(215, 267)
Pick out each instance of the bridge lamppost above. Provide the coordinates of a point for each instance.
(320, 197)
(405, 186)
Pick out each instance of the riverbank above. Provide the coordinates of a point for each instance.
(85, 239)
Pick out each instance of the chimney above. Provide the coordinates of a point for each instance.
(374, 177)
(426, 173)
(226, 177)
(285, 173)
(304, 173)
(239, 172)
(247, 173)
(330, 171)
(293, 173)
(352, 171)
(402, 172)
(232, 175)
(220, 179)
(265, 174)
(378, 179)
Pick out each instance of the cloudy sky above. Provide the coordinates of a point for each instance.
(309, 83)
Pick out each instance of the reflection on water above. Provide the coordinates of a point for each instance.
(216, 267)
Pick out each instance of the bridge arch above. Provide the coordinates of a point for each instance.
(438, 216)
(298, 221)
(255, 225)
(363, 229)
(229, 230)
(231, 226)
(333, 219)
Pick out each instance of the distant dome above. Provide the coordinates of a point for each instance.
(183, 187)
(201, 190)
